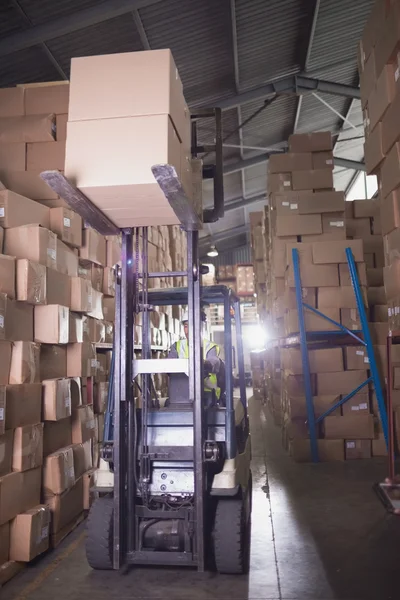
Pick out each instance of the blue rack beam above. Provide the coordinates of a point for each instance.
(342, 336)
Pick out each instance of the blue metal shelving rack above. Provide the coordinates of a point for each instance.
(342, 336)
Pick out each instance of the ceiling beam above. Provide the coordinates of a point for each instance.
(312, 35)
(261, 158)
(241, 202)
(219, 236)
(102, 11)
(295, 84)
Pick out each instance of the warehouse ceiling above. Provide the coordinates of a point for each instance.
(268, 63)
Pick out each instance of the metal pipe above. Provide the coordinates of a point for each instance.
(294, 84)
(262, 158)
(119, 534)
(336, 112)
(312, 34)
(102, 11)
(240, 357)
(390, 407)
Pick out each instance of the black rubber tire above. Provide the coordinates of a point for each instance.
(231, 536)
(99, 539)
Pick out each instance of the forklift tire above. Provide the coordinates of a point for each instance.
(231, 536)
(99, 540)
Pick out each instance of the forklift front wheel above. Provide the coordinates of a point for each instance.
(99, 540)
(232, 535)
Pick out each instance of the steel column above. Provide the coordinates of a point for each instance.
(390, 407)
(304, 357)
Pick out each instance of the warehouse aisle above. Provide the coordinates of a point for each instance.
(318, 534)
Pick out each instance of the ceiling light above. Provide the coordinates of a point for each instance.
(213, 252)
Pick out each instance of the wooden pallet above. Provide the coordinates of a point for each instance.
(9, 569)
(57, 538)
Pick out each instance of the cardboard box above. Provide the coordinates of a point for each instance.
(376, 295)
(6, 452)
(390, 212)
(356, 358)
(52, 324)
(390, 173)
(373, 150)
(161, 94)
(58, 472)
(16, 211)
(333, 224)
(380, 313)
(58, 288)
(350, 427)
(5, 362)
(335, 251)
(82, 454)
(45, 156)
(17, 323)
(12, 102)
(379, 446)
(61, 128)
(294, 384)
(88, 483)
(303, 202)
(308, 295)
(56, 399)
(358, 228)
(76, 328)
(113, 250)
(67, 260)
(322, 160)
(67, 224)
(29, 534)
(328, 450)
(56, 435)
(375, 277)
(357, 405)
(81, 360)
(10, 496)
(338, 297)
(320, 141)
(298, 225)
(356, 449)
(297, 406)
(313, 322)
(315, 276)
(279, 182)
(28, 184)
(100, 397)
(31, 282)
(321, 361)
(33, 242)
(4, 544)
(382, 95)
(28, 447)
(81, 295)
(344, 383)
(7, 275)
(109, 309)
(32, 128)
(390, 125)
(314, 179)
(47, 98)
(391, 245)
(66, 507)
(96, 277)
(368, 78)
(363, 208)
(31, 486)
(344, 274)
(391, 280)
(83, 424)
(287, 162)
(23, 405)
(53, 362)
(25, 363)
(101, 374)
(103, 174)
(108, 287)
(93, 247)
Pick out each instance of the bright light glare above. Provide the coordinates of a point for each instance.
(255, 337)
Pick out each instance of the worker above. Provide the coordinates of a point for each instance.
(214, 367)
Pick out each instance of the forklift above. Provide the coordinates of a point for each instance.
(180, 486)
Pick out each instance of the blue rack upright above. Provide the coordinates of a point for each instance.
(340, 337)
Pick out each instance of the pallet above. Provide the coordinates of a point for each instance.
(57, 538)
(9, 569)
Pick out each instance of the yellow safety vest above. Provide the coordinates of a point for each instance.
(210, 382)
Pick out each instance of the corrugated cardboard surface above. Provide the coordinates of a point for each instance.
(2, 409)
(310, 142)
(50, 98)
(24, 404)
(10, 496)
(344, 274)
(56, 399)
(67, 260)
(58, 472)
(57, 434)
(6, 452)
(29, 534)
(31, 282)
(45, 156)
(390, 174)
(314, 179)
(93, 247)
(83, 424)
(328, 450)
(335, 251)
(82, 454)
(345, 381)
(7, 275)
(81, 360)
(287, 162)
(298, 225)
(390, 212)
(4, 540)
(32, 128)
(25, 360)
(58, 288)
(338, 297)
(356, 449)
(52, 324)
(65, 507)
(373, 150)
(28, 447)
(321, 361)
(53, 361)
(13, 156)
(349, 427)
(313, 322)
(12, 102)
(315, 276)
(17, 210)
(33, 242)
(27, 183)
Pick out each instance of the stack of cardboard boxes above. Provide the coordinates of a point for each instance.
(259, 233)
(306, 213)
(240, 278)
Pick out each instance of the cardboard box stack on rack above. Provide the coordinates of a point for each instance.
(259, 233)
(379, 60)
(57, 309)
(240, 278)
(306, 213)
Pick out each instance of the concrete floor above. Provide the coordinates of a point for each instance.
(318, 533)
